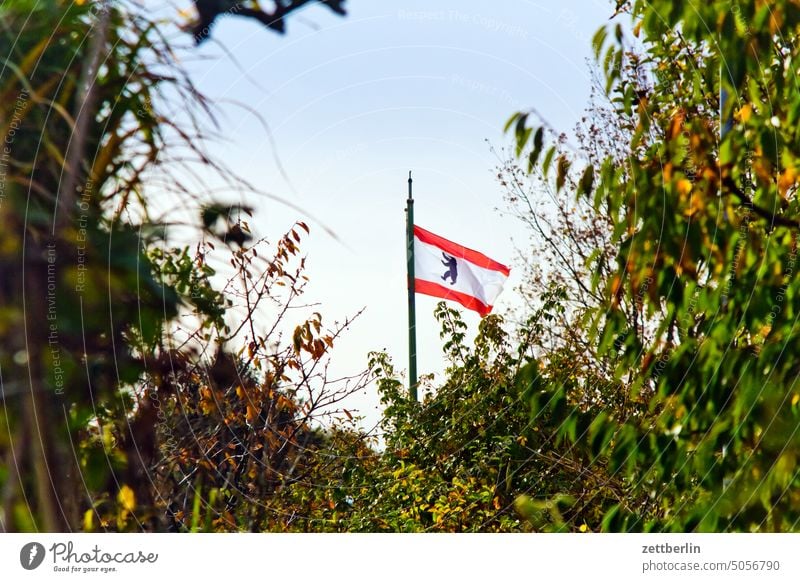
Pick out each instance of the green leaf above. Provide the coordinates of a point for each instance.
(598, 40)
(587, 181)
(522, 133)
(548, 159)
(538, 141)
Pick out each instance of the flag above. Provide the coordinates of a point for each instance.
(448, 270)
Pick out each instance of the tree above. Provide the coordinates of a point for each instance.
(469, 458)
(81, 305)
(571, 253)
(97, 117)
(245, 438)
(706, 232)
(209, 10)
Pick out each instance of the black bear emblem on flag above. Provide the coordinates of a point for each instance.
(452, 268)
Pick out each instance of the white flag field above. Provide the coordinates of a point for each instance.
(450, 271)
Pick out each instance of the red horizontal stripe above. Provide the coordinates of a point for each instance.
(458, 251)
(468, 301)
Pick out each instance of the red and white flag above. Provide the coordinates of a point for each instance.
(448, 270)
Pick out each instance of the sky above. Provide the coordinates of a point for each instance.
(353, 104)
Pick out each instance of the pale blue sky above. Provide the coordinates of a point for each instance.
(355, 103)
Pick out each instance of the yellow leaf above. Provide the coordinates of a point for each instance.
(745, 112)
(88, 520)
(616, 285)
(666, 172)
(675, 129)
(696, 205)
(127, 498)
(684, 187)
(786, 180)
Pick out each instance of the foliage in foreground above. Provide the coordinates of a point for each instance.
(471, 457)
(648, 385)
(137, 387)
(706, 231)
(669, 404)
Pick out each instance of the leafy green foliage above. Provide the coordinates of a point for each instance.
(470, 457)
(706, 236)
(116, 347)
(647, 385)
(79, 325)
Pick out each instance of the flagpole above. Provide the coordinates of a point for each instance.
(412, 317)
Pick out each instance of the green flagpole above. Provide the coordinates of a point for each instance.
(412, 317)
